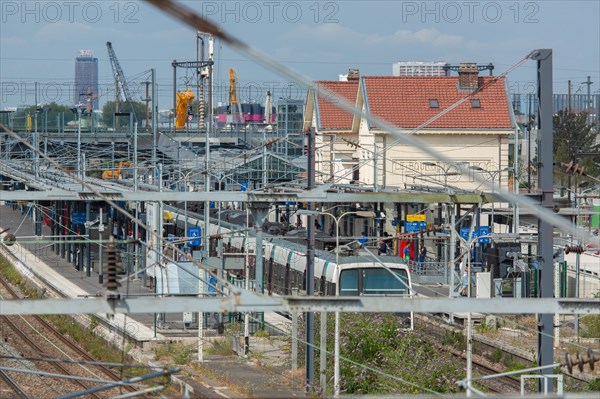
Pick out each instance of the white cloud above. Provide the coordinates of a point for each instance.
(12, 41)
(336, 34)
(62, 30)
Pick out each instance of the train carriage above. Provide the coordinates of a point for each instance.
(284, 266)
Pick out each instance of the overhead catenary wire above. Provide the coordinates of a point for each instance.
(196, 21)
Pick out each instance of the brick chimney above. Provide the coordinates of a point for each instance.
(353, 74)
(468, 76)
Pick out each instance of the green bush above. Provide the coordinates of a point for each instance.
(9, 272)
(377, 342)
(594, 385)
(496, 355)
(261, 334)
(485, 327)
(455, 339)
(185, 355)
(591, 324)
(222, 347)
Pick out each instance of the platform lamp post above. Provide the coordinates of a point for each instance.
(578, 198)
(446, 171)
(220, 179)
(78, 109)
(336, 354)
(470, 243)
(493, 175)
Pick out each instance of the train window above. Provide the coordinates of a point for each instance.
(287, 282)
(304, 281)
(381, 282)
(349, 283)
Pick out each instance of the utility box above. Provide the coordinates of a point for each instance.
(484, 285)
(187, 319)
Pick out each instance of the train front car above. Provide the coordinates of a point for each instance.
(375, 276)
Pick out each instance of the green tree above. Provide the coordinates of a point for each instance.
(380, 358)
(573, 134)
(195, 104)
(47, 115)
(109, 109)
(51, 107)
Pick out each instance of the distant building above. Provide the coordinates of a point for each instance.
(418, 68)
(290, 119)
(85, 88)
(475, 135)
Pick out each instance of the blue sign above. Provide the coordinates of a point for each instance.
(212, 283)
(484, 231)
(479, 232)
(194, 232)
(244, 186)
(465, 231)
(78, 218)
(412, 227)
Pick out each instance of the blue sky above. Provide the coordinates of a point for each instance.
(39, 41)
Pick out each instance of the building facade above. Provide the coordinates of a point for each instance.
(419, 68)
(290, 115)
(85, 88)
(466, 118)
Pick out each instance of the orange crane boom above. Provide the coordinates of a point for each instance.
(184, 99)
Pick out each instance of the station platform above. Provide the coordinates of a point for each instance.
(35, 258)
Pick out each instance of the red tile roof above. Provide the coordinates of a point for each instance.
(404, 102)
(331, 115)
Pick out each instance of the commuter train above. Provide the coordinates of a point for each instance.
(284, 264)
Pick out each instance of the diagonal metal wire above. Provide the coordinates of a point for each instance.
(198, 22)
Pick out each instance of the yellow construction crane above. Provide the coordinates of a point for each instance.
(116, 174)
(184, 99)
(234, 103)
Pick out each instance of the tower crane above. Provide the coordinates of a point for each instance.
(235, 107)
(121, 89)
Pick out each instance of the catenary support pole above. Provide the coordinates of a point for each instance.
(310, 263)
(545, 235)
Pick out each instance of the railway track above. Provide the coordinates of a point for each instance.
(15, 386)
(481, 365)
(57, 337)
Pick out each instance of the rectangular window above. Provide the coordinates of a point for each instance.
(349, 283)
(382, 282)
(475, 103)
(433, 103)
